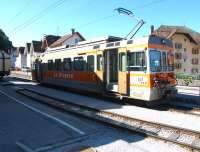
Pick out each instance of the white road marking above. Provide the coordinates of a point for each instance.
(44, 114)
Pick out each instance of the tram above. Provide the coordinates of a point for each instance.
(139, 68)
(5, 64)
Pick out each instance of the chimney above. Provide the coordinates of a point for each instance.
(73, 31)
(152, 29)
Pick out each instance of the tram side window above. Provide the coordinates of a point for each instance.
(90, 63)
(137, 61)
(50, 65)
(78, 64)
(99, 62)
(67, 64)
(58, 64)
(122, 62)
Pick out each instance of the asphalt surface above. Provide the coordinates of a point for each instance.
(36, 125)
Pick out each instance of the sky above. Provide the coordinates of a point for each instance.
(27, 20)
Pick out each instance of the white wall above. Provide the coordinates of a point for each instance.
(28, 58)
(21, 61)
(18, 61)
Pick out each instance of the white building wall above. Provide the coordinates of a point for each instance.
(28, 60)
(18, 61)
(21, 61)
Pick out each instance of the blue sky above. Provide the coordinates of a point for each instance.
(26, 20)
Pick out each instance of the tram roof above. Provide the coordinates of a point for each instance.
(111, 41)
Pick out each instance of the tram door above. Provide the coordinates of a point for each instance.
(38, 70)
(122, 73)
(111, 70)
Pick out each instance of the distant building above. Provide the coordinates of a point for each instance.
(13, 56)
(20, 61)
(35, 50)
(186, 44)
(27, 53)
(69, 39)
(48, 40)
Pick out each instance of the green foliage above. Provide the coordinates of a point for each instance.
(185, 76)
(5, 44)
(187, 79)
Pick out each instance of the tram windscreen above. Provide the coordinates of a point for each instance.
(161, 61)
(155, 60)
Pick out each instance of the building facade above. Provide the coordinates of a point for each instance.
(186, 44)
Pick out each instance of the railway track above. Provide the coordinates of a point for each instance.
(187, 138)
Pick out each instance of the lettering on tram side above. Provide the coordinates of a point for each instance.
(139, 80)
(138, 86)
(60, 75)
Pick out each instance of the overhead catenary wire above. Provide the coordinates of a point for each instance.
(58, 3)
(36, 17)
(114, 15)
(18, 13)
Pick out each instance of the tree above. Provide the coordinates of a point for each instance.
(5, 43)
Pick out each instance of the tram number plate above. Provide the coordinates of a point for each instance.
(139, 80)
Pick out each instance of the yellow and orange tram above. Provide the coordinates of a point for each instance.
(136, 68)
